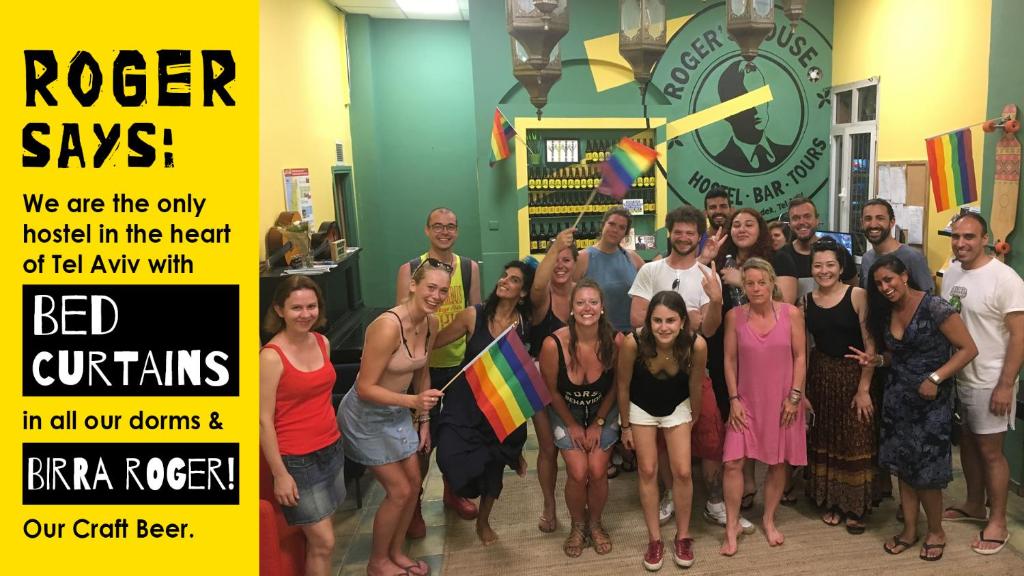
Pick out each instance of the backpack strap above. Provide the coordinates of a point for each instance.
(466, 269)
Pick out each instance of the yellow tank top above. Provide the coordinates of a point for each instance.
(451, 355)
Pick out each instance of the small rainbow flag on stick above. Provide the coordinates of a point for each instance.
(506, 384)
(951, 164)
(501, 131)
(629, 160)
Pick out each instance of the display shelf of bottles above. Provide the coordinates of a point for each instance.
(559, 165)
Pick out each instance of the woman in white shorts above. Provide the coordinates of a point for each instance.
(660, 375)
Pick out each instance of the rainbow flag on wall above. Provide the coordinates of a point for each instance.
(951, 164)
(501, 131)
(629, 160)
(506, 384)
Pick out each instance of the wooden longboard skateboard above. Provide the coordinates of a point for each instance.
(1007, 181)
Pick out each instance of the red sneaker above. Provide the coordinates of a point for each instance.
(465, 508)
(683, 553)
(654, 556)
(417, 527)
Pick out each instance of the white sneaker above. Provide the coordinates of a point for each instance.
(666, 509)
(715, 513)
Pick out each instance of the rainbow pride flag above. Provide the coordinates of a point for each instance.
(951, 164)
(506, 384)
(501, 131)
(629, 160)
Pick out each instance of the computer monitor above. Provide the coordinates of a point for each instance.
(844, 238)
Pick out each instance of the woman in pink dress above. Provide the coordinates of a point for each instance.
(764, 372)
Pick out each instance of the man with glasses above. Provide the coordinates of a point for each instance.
(793, 263)
(442, 230)
(990, 298)
(877, 222)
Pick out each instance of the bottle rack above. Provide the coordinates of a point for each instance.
(559, 164)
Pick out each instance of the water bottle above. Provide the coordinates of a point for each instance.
(735, 292)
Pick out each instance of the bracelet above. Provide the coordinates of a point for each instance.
(736, 397)
(624, 428)
(796, 392)
(423, 419)
(881, 360)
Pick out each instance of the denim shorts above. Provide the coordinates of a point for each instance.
(609, 433)
(374, 434)
(320, 479)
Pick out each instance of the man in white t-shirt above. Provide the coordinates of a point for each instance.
(699, 285)
(990, 298)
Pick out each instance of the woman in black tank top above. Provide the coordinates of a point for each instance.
(583, 354)
(549, 296)
(660, 375)
(468, 451)
(841, 446)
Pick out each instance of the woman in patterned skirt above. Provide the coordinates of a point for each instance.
(841, 446)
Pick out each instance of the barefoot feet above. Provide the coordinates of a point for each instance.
(731, 543)
(771, 533)
(485, 533)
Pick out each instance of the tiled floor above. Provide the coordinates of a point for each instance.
(353, 527)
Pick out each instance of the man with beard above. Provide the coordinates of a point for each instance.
(877, 221)
(793, 263)
(442, 230)
(990, 298)
(699, 285)
(718, 208)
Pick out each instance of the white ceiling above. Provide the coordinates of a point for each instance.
(390, 9)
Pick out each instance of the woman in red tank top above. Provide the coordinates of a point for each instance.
(298, 431)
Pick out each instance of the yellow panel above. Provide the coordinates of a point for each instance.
(718, 112)
(607, 66)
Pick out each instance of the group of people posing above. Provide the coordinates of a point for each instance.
(741, 344)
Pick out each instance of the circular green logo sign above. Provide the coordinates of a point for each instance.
(762, 155)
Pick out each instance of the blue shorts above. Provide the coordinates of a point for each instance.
(375, 434)
(609, 433)
(320, 478)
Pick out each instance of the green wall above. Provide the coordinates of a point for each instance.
(575, 96)
(1005, 85)
(412, 86)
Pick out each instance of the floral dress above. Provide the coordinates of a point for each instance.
(915, 438)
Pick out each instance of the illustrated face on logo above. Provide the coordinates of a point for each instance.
(738, 79)
(763, 155)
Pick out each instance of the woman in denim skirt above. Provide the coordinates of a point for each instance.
(379, 431)
(298, 432)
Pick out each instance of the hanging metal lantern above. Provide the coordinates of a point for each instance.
(536, 82)
(748, 22)
(642, 36)
(538, 25)
(794, 11)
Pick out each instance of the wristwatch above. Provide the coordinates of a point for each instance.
(934, 377)
(599, 421)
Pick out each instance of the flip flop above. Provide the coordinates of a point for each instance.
(990, 551)
(787, 498)
(896, 542)
(547, 525)
(926, 547)
(748, 500)
(855, 524)
(837, 517)
(961, 515)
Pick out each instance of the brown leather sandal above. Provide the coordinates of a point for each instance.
(599, 536)
(576, 541)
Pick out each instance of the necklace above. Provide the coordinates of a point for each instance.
(415, 329)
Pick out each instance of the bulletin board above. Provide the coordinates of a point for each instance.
(905, 185)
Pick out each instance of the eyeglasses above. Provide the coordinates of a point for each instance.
(675, 284)
(435, 263)
(444, 227)
(826, 243)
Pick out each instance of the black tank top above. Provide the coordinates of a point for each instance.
(834, 329)
(482, 337)
(545, 328)
(658, 396)
(586, 397)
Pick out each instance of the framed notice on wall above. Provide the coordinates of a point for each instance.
(297, 194)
